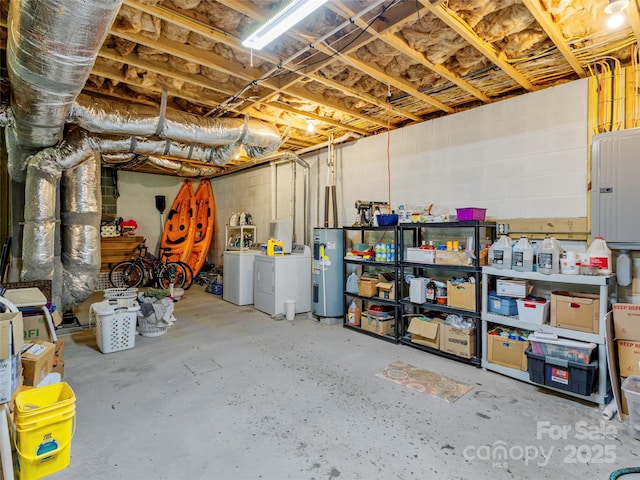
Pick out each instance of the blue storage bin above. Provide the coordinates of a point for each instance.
(502, 305)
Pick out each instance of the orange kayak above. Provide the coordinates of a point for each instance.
(180, 226)
(204, 217)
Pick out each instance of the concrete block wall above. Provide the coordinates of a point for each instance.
(521, 157)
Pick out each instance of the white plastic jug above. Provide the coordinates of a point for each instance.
(599, 254)
(352, 283)
(500, 252)
(522, 260)
(549, 256)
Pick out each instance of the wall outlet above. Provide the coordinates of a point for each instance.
(502, 228)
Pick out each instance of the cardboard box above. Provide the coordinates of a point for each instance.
(35, 327)
(367, 286)
(381, 326)
(449, 257)
(459, 341)
(510, 287)
(386, 286)
(11, 340)
(462, 295)
(58, 368)
(420, 255)
(507, 352)
(37, 361)
(575, 311)
(626, 321)
(427, 332)
(629, 357)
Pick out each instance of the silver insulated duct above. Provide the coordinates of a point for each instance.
(51, 48)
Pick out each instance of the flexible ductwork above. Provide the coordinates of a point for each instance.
(180, 168)
(51, 48)
(81, 211)
(226, 134)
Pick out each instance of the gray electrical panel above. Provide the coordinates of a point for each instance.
(615, 186)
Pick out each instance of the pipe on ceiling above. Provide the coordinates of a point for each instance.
(51, 49)
(220, 138)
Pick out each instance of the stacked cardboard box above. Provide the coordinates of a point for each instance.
(626, 324)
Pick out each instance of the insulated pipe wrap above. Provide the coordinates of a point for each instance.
(51, 48)
(223, 135)
(39, 220)
(80, 215)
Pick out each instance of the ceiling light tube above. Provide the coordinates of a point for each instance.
(281, 22)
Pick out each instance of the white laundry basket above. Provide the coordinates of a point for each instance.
(115, 324)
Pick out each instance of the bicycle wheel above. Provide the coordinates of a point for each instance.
(172, 273)
(126, 274)
(188, 281)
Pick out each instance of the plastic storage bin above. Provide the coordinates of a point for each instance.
(562, 374)
(115, 325)
(631, 389)
(502, 305)
(573, 350)
(471, 214)
(533, 310)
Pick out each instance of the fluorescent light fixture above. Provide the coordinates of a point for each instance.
(286, 18)
(616, 6)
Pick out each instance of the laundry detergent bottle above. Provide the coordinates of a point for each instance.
(353, 314)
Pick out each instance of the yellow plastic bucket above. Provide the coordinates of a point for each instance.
(45, 424)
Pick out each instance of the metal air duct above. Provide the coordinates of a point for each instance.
(51, 48)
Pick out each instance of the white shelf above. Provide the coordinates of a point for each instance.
(556, 277)
(546, 328)
(229, 229)
(524, 377)
(603, 282)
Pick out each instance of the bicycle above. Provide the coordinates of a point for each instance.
(147, 269)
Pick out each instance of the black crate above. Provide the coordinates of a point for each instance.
(562, 374)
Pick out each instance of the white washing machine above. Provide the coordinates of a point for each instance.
(238, 276)
(281, 278)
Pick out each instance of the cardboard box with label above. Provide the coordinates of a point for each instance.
(426, 331)
(459, 341)
(626, 325)
(386, 286)
(511, 287)
(381, 326)
(507, 352)
(35, 327)
(11, 340)
(461, 295)
(575, 311)
(37, 361)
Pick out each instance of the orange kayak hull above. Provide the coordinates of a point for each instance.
(180, 226)
(205, 211)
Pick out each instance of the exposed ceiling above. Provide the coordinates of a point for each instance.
(360, 66)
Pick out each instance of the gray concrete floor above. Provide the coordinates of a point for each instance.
(229, 393)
